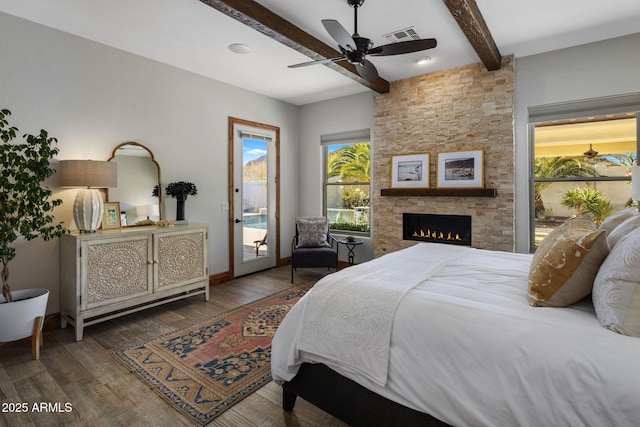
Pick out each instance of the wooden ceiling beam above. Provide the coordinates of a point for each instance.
(469, 18)
(261, 19)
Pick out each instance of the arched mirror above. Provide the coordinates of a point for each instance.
(138, 177)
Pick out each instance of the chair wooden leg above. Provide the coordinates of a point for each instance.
(36, 338)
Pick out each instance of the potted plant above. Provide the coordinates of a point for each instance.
(26, 211)
(179, 191)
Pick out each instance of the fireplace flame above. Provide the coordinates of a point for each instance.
(436, 235)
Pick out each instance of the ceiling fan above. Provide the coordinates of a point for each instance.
(355, 48)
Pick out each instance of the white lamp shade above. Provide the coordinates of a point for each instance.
(88, 208)
(635, 183)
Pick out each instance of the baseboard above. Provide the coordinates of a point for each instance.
(342, 264)
(216, 279)
(51, 322)
(283, 261)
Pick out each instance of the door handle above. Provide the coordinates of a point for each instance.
(239, 220)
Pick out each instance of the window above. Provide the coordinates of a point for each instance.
(347, 176)
(582, 166)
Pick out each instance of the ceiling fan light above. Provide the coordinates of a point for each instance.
(590, 153)
(239, 48)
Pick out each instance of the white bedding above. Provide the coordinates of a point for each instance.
(467, 348)
(348, 317)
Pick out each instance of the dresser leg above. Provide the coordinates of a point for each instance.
(79, 329)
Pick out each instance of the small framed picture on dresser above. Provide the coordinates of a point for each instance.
(111, 216)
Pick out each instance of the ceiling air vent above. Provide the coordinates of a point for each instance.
(402, 35)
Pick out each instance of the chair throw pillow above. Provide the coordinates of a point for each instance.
(312, 232)
(566, 263)
(616, 289)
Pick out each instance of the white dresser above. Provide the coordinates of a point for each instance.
(111, 273)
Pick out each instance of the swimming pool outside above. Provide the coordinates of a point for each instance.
(255, 221)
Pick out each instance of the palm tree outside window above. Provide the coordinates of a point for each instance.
(347, 186)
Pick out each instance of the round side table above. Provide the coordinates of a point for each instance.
(350, 244)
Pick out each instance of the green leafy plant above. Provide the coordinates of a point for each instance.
(351, 163)
(587, 200)
(25, 206)
(556, 167)
(350, 226)
(355, 198)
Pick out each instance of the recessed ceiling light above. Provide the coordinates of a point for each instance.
(239, 48)
(424, 60)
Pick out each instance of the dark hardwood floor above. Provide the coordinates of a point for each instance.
(99, 391)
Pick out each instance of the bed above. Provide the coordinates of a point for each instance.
(464, 346)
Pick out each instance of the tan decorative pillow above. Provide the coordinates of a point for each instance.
(616, 289)
(627, 227)
(312, 232)
(564, 266)
(612, 221)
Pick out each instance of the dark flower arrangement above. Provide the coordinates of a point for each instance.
(181, 189)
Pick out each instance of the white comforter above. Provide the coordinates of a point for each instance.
(348, 317)
(467, 348)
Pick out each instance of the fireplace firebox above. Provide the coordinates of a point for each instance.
(451, 229)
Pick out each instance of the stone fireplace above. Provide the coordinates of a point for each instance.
(459, 109)
(451, 229)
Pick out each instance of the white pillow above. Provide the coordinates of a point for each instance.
(614, 220)
(616, 288)
(627, 227)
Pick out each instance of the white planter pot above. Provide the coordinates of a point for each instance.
(18, 318)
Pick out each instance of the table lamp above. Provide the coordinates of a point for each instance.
(89, 175)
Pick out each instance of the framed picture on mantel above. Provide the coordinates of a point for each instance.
(410, 171)
(460, 169)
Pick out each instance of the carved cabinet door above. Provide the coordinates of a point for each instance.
(179, 258)
(115, 270)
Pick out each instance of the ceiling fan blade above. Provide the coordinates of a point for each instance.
(339, 34)
(319, 61)
(403, 47)
(367, 70)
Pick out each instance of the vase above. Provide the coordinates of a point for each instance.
(180, 210)
(19, 319)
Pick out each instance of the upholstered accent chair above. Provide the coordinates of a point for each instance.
(313, 245)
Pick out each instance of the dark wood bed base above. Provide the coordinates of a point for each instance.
(349, 401)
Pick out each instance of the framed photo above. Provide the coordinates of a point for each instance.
(460, 169)
(111, 216)
(410, 171)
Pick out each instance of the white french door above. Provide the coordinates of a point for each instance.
(254, 197)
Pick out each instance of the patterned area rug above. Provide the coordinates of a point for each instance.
(206, 368)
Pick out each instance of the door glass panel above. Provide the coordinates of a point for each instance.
(255, 198)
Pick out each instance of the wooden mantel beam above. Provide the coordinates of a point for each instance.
(262, 19)
(470, 20)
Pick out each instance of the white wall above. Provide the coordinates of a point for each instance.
(606, 68)
(93, 97)
(336, 115)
